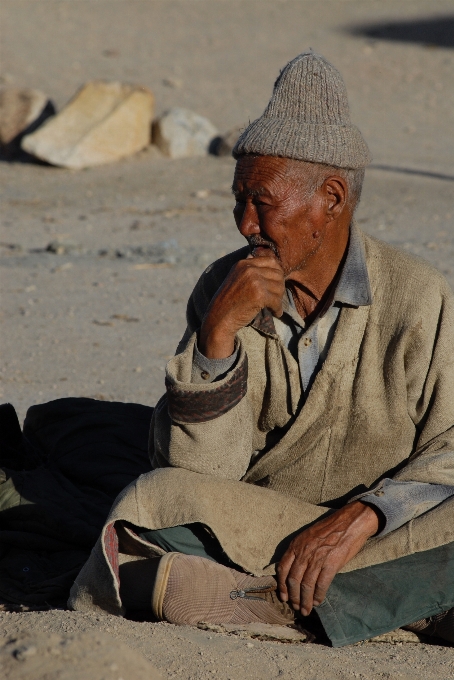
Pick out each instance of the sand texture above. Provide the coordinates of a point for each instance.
(96, 265)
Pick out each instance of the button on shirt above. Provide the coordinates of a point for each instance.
(399, 502)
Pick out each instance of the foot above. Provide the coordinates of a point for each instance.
(189, 590)
(440, 625)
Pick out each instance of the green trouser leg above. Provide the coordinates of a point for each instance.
(367, 602)
(360, 604)
(190, 539)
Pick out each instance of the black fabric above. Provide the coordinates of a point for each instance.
(14, 450)
(58, 481)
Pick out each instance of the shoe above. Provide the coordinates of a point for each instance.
(440, 625)
(189, 590)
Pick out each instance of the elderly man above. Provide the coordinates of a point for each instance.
(304, 450)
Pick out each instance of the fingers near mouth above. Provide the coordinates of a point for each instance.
(262, 248)
(261, 251)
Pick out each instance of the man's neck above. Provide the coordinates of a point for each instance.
(313, 285)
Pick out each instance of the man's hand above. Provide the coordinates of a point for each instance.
(315, 556)
(252, 284)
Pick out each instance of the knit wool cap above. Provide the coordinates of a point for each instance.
(307, 118)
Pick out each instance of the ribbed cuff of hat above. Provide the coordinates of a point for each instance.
(339, 145)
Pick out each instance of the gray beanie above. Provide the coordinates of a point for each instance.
(307, 118)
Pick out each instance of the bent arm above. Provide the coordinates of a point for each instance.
(206, 423)
(204, 427)
(427, 479)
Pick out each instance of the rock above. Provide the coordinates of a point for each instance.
(22, 111)
(397, 637)
(223, 145)
(172, 82)
(163, 252)
(102, 123)
(259, 631)
(58, 247)
(180, 133)
(93, 655)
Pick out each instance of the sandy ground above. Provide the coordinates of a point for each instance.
(100, 318)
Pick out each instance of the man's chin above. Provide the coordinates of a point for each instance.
(290, 270)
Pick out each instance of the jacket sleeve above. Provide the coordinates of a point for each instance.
(429, 363)
(205, 427)
(427, 479)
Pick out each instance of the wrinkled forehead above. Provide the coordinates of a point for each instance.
(264, 174)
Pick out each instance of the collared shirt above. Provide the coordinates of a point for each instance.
(309, 346)
(399, 502)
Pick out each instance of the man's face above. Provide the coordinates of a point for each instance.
(271, 210)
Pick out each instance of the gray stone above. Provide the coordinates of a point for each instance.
(102, 123)
(180, 133)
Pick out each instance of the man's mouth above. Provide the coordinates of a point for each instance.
(257, 242)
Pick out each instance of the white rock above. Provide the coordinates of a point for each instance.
(19, 109)
(102, 123)
(180, 133)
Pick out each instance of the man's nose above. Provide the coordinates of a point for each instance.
(249, 223)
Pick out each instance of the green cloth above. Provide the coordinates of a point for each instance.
(367, 602)
(194, 539)
(360, 604)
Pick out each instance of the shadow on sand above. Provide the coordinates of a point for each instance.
(13, 153)
(429, 31)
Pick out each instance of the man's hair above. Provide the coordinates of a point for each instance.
(316, 173)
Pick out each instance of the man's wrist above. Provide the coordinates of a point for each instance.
(216, 344)
(372, 517)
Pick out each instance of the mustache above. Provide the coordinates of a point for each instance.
(257, 242)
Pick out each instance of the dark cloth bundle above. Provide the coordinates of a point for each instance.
(58, 479)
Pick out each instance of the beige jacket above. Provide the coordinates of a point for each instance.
(382, 405)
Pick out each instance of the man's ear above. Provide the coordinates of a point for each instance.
(336, 195)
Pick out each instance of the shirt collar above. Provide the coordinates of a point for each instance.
(353, 287)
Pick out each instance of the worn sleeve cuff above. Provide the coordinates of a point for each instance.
(400, 502)
(206, 370)
(189, 402)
